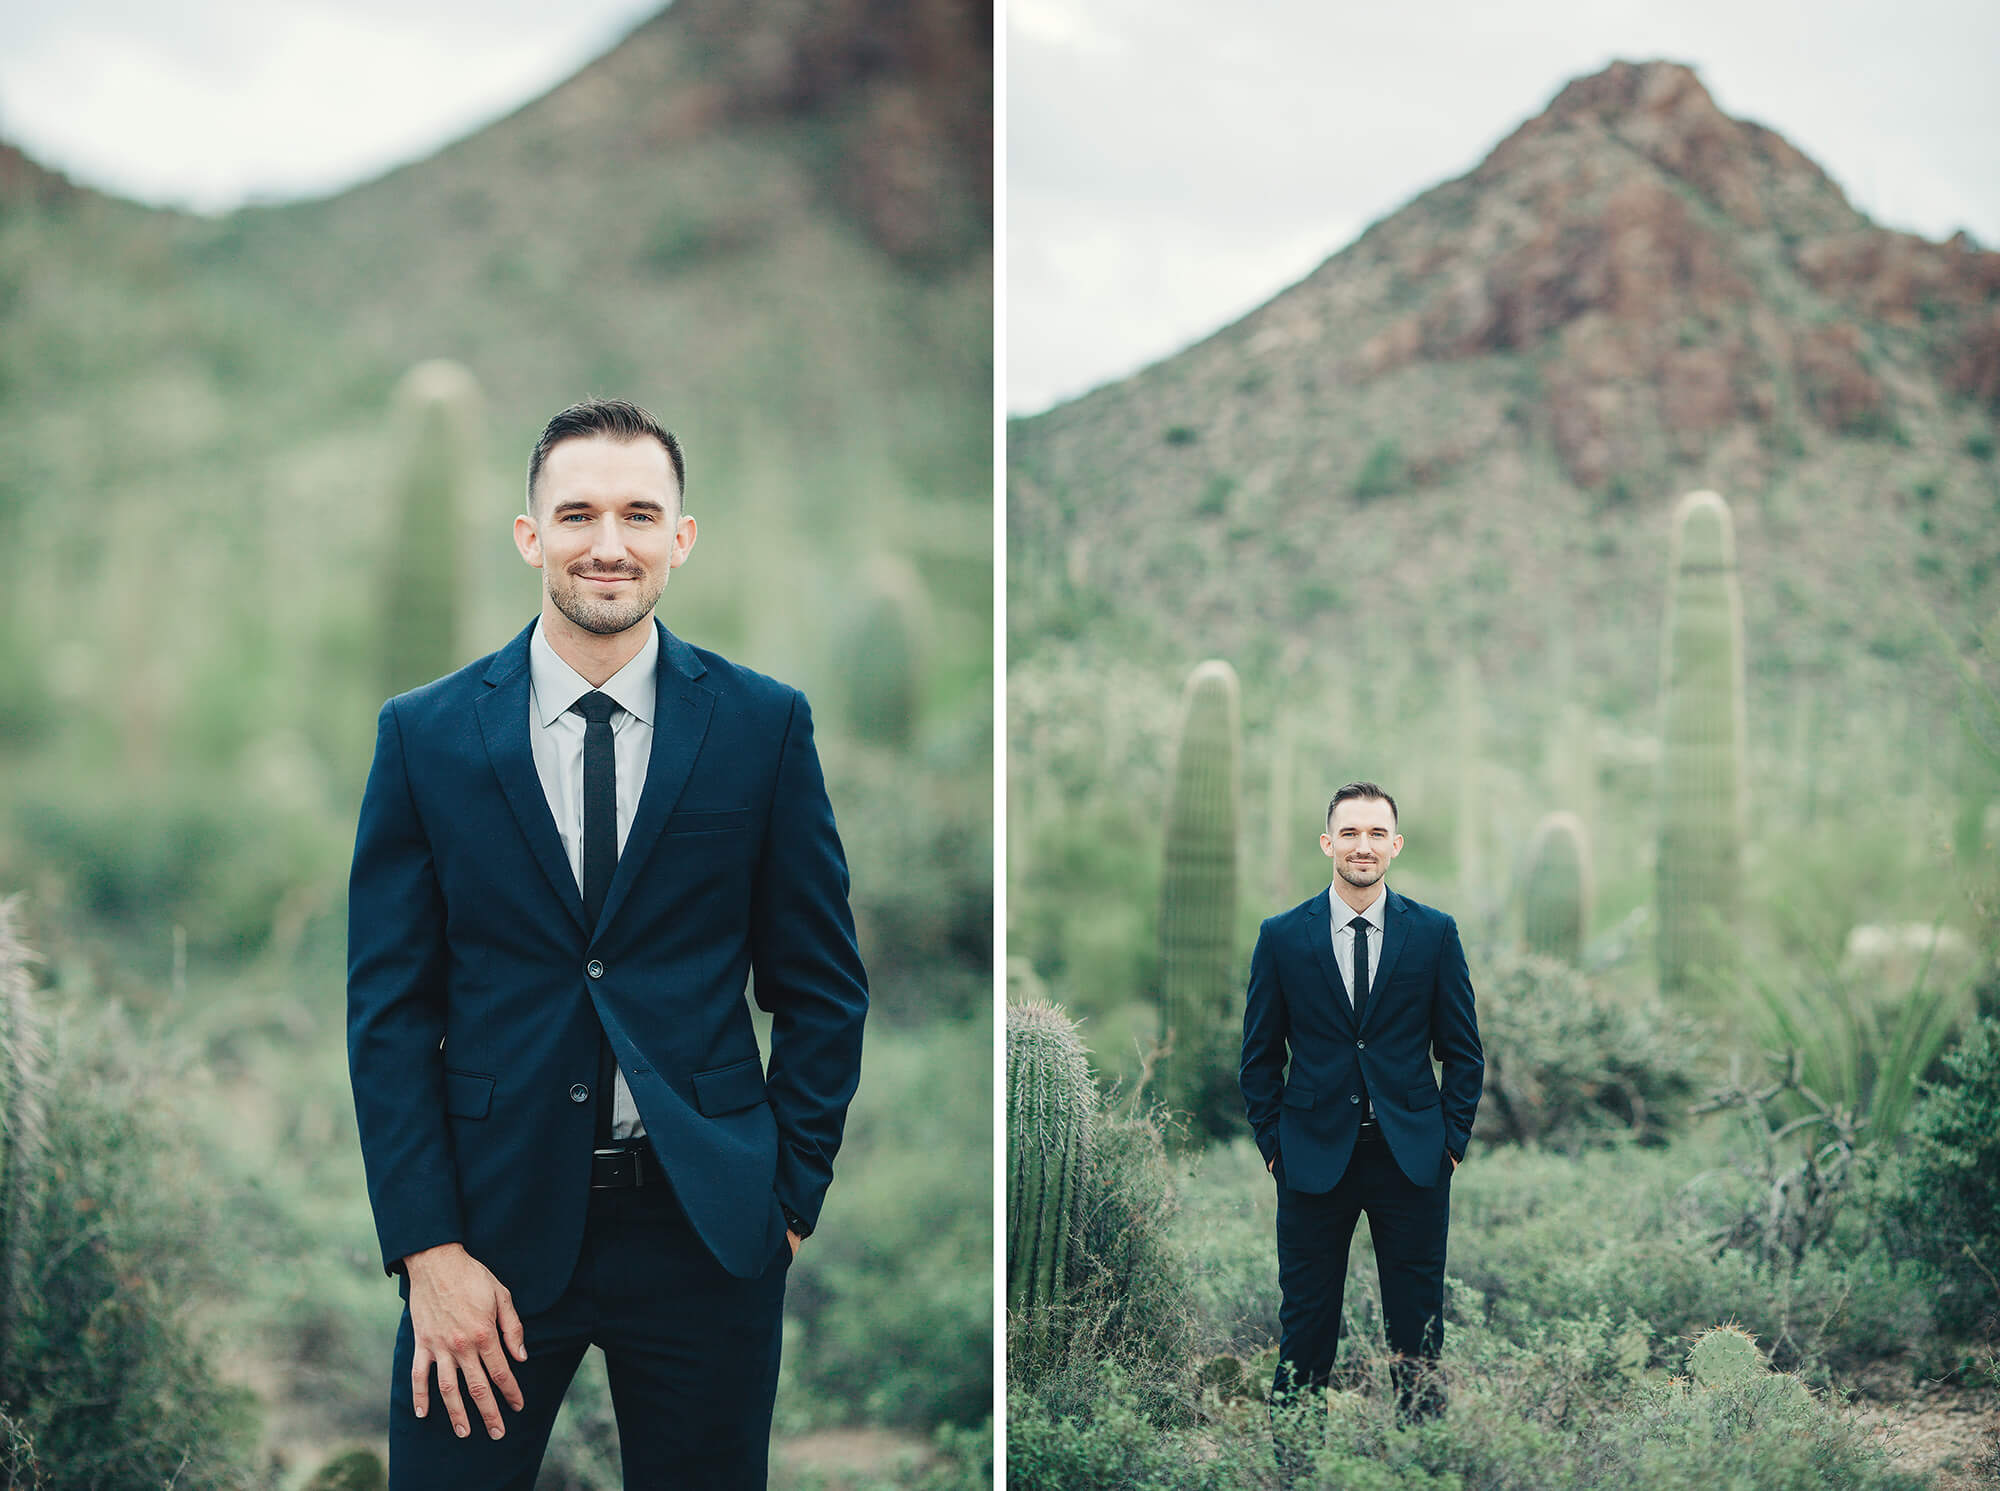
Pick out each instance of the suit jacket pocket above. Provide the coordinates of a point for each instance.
(709, 823)
(1299, 1097)
(467, 1094)
(727, 1089)
(1423, 1097)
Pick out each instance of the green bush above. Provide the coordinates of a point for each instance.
(1383, 474)
(108, 1386)
(1946, 1191)
(1566, 1067)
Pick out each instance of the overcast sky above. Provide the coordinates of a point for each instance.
(1172, 164)
(208, 103)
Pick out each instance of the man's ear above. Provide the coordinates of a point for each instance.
(528, 539)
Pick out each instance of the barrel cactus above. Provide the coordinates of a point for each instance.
(1556, 893)
(1198, 907)
(437, 429)
(1700, 866)
(1051, 1103)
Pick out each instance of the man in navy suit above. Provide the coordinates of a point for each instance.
(572, 855)
(1359, 987)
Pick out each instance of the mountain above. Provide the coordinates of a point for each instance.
(1462, 436)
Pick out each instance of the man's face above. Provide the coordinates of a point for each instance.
(1361, 839)
(605, 530)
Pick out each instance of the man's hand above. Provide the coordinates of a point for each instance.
(794, 1239)
(1454, 1160)
(462, 1316)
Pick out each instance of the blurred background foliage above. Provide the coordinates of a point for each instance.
(769, 224)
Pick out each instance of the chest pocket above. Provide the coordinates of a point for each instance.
(731, 820)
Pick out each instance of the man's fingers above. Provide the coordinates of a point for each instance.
(420, 1381)
(511, 1331)
(481, 1392)
(503, 1380)
(448, 1390)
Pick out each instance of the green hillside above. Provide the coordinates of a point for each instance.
(771, 225)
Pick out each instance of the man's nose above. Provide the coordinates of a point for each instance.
(607, 537)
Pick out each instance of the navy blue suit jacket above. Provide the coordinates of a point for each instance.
(1419, 1003)
(475, 993)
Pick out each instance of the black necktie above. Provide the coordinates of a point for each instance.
(600, 859)
(1360, 991)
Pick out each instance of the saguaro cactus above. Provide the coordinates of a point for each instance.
(436, 414)
(1556, 894)
(1198, 906)
(1050, 1105)
(1702, 729)
(23, 1140)
(883, 658)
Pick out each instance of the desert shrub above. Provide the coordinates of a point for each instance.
(894, 1290)
(1566, 1067)
(108, 1383)
(1944, 1195)
(1537, 1236)
(1132, 1308)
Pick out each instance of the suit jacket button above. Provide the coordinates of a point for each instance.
(1361, 1045)
(579, 1094)
(594, 968)
(1352, 1097)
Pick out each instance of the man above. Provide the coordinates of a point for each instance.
(1359, 987)
(571, 856)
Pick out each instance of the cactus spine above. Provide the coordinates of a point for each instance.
(1050, 1105)
(1557, 893)
(23, 1141)
(1702, 728)
(436, 418)
(1198, 905)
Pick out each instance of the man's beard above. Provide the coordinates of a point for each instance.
(1363, 876)
(604, 615)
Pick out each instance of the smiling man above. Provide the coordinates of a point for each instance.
(572, 856)
(1358, 988)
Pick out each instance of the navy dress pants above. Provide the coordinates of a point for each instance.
(1408, 1224)
(691, 1353)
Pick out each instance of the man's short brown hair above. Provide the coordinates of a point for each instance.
(615, 418)
(1365, 791)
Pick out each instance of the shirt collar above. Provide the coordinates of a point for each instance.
(556, 685)
(1377, 913)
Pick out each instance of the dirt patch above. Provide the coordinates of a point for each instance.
(842, 1454)
(1948, 1432)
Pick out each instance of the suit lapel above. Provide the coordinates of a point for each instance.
(503, 725)
(1319, 931)
(1395, 932)
(681, 711)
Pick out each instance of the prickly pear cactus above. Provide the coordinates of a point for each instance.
(1198, 994)
(437, 429)
(1556, 895)
(1050, 1103)
(1702, 728)
(1724, 1354)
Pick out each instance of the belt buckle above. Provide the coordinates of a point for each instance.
(615, 1169)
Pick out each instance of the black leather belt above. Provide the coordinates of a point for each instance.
(1370, 1129)
(625, 1166)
